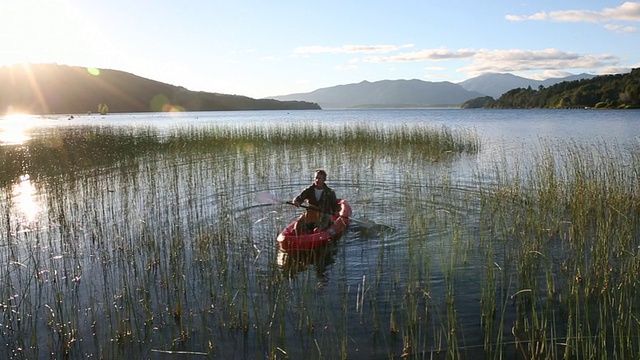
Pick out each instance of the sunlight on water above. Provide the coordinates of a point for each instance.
(26, 200)
(13, 129)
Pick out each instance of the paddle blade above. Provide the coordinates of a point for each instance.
(369, 228)
(265, 197)
(366, 223)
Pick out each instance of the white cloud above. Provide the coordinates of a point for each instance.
(614, 70)
(485, 60)
(550, 74)
(424, 55)
(480, 61)
(527, 60)
(536, 16)
(628, 11)
(346, 67)
(349, 49)
(621, 28)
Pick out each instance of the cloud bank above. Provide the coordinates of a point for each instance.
(544, 61)
(628, 11)
(486, 60)
(349, 49)
(480, 61)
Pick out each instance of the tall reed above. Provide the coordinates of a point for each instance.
(149, 243)
(142, 243)
(570, 230)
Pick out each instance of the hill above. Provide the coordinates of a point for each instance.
(621, 91)
(386, 94)
(495, 85)
(49, 88)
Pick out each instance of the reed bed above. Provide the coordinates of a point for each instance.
(567, 232)
(70, 150)
(148, 244)
(141, 244)
(548, 241)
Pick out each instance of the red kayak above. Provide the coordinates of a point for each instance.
(289, 242)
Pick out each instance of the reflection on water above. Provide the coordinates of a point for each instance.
(320, 259)
(25, 200)
(13, 129)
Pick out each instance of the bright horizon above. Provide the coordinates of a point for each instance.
(261, 49)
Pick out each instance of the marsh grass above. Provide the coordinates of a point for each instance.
(69, 151)
(149, 242)
(142, 244)
(569, 230)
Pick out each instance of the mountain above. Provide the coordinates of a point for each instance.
(495, 85)
(50, 88)
(386, 94)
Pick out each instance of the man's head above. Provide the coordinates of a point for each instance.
(319, 178)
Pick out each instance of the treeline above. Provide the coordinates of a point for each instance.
(60, 89)
(621, 91)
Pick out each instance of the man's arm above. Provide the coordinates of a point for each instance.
(333, 201)
(301, 197)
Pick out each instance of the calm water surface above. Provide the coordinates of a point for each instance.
(362, 268)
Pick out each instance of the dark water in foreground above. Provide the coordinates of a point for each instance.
(178, 256)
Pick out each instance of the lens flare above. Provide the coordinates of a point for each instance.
(161, 103)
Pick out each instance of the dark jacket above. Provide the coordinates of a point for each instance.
(327, 203)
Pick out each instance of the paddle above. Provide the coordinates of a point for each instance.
(265, 197)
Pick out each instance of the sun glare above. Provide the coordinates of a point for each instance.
(50, 32)
(25, 197)
(14, 129)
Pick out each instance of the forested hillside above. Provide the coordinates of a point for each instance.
(60, 89)
(621, 91)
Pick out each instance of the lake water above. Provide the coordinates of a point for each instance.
(509, 128)
(500, 130)
(364, 296)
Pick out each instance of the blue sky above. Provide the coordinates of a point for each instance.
(279, 47)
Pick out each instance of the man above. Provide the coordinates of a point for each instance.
(322, 204)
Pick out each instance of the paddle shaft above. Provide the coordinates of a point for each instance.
(267, 198)
(311, 207)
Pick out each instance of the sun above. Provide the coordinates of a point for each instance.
(25, 26)
(43, 32)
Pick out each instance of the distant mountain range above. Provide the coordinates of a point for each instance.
(418, 93)
(61, 89)
(386, 94)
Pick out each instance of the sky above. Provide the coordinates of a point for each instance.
(280, 47)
